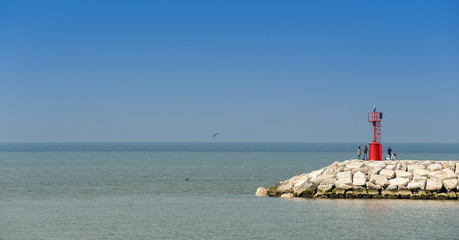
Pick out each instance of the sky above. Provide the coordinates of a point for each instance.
(254, 71)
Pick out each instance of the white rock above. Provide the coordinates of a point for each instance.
(343, 183)
(387, 173)
(374, 170)
(320, 178)
(434, 184)
(359, 179)
(302, 181)
(450, 184)
(328, 181)
(296, 179)
(343, 186)
(285, 186)
(401, 166)
(391, 167)
(316, 173)
(425, 163)
(457, 168)
(443, 174)
(372, 186)
(399, 181)
(403, 174)
(325, 187)
(347, 181)
(261, 192)
(379, 180)
(287, 195)
(411, 167)
(300, 188)
(451, 165)
(356, 164)
(347, 174)
(434, 167)
(392, 188)
(417, 185)
(420, 172)
(419, 179)
(373, 164)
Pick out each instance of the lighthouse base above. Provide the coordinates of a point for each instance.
(374, 151)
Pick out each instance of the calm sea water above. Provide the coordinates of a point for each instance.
(199, 191)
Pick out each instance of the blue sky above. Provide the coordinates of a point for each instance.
(306, 71)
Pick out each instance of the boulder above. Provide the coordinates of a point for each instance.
(261, 192)
(356, 164)
(401, 166)
(372, 186)
(320, 178)
(449, 164)
(392, 188)
(418, 183)
(457, 168)
(374, 164)
(347, 181)
(403, 174)
(391, 167)
(298, 190)
(425, 163)
(295, 179)
(347, 174)
(421, 172)
(412, 167)
(359, 179)
(374, 170)
(328, 181)
(325, 187)
(434, 185)
(387, 173)
(391, 162)
(315, 173)
(450, 184)
(302, 181)
(399, 181)
(434, 167)
(287, 195)
(343, 183)
(284, 187)
(379, 180)
(443, 174)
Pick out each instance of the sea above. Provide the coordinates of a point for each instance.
(200, 191)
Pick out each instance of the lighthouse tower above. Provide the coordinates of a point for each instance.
(374, 149)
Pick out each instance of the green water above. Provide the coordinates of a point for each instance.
(199, 191)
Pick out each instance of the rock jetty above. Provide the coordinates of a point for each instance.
(405, 179)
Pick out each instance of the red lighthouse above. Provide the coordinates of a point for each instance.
(374, 149)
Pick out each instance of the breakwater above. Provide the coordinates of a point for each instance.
(406, 179)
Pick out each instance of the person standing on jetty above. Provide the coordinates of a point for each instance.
(365, 150)
(359, 152)
(389, 152)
